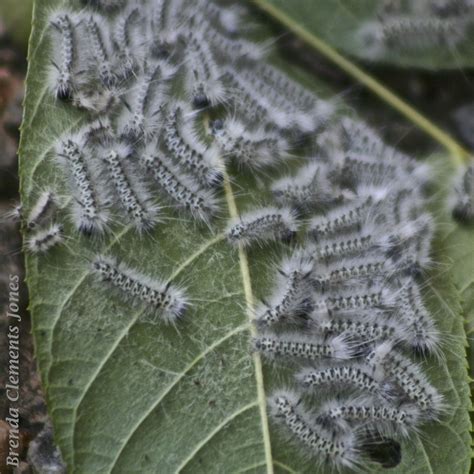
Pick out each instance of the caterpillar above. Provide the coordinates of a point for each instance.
(253, 149)
(261, 225)
(290, 297)
(178, 187)
(166, 299)
(338, 452)
(294, 345)
(183, 142)
(309, 190)
(90, 212)
(45, 239)
(43, 208)
(63, 73)
(133, 195)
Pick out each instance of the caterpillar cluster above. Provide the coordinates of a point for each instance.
(417, 26)
(172, 93)
(347, 312)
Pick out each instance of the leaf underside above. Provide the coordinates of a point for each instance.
(130, 396)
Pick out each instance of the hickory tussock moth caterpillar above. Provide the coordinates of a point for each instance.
(346, 376)
(354, 300)
(98, 34)
(290, 297)
(184, 143)
(128, 52)
(203, 77)
(338, 452)
(169, 300)
(409, 376)
(262, 105)
(348, 217)
(382, 417)
(349, 272)
(89, 212)
(141, 122)
(45, 239)
(230, 49)
(418, 33)
(253, 149)
(295, 345)
(180, 188)
(464, 196)
(63, 73)
(260, 225)
(310, 189)
(132, 194)
(423, 334)
(42, 209)
(314, 111)
(367, 330)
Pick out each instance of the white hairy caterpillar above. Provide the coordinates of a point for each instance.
(423, 334)
(384, 418)
(89, 206)
(181, 189)
(345, 218)
(357, 169)
(367, 330)
(123, 42)
(166, 299)
(321, 110)
(203, 76)
(45, 239)
(290, 297)
(230, 49)
(63, 73)
(186, 146)
(98, 32)
(363, 143)
(251, 148)
(261, 225)
(310, 189)
(132, 194)
(141, 121)
(165, 28)
(350, 271)
(409, 376)
(266, 102)
(42, 209)
(463, 208)
(345, 376)
(295, 345)
(414, 33)
(371, 239)
(338, 452)
(356, 300)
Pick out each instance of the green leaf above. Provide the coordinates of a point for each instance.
(338, 23)
(129, 396)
